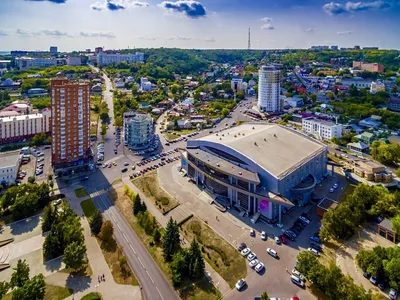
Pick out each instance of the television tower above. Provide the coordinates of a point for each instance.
(248, 41)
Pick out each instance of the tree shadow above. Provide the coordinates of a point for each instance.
(78, 283)
(54, 264)
(24, 226)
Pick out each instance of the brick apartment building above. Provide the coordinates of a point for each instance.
(370, 67)
(70, 102)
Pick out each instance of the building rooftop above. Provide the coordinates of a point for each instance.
(277, 149)
(319, 121)
(359, 145)
(223, 165)
(327, 203)
(9, 159)
(22, 117)
(387, 224)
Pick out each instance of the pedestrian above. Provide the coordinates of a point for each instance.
(98, 278)
(104, 278)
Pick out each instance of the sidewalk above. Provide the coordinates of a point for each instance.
(218, 281)
(84, 285)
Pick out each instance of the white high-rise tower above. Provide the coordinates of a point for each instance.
(269, 85)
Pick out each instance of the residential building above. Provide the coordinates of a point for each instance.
(370, 67)
(237, 84)
(9, 165)
(393, 104)
(294, 101)
(26, 63)
(369, 123)
(367, 137)
(70, 103)
(104, 58)
(359, 147)
(18, 128)
(377, 86)
(74, 61)
(261, 169)
(358, 82)
(322, 129)
(96, 89)
(145, 84)
(138, 129)
(269, 85)
(385, 229)
(184, 124)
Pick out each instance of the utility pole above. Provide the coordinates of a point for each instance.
(248, 41)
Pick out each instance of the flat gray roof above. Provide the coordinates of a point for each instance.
(9, 160)
(277, 149)
(224, 166)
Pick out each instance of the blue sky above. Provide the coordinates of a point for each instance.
(82, 24)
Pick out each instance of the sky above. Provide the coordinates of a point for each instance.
(120, 24)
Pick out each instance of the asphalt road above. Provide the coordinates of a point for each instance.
(155, 285)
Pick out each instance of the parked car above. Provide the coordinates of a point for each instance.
(277, 240)
(251, 256)
(245, 251)
(283, 239)
(252, 233)
(315, 239)
(316, 247)
(304, 220)
(296, 280)
(272, 252)
(57, 202)
(253, 263)
(393, 294)
(313, 251)
(298, 274)
(263, 235)
(259, 267)
(240, 284)
(242, 246)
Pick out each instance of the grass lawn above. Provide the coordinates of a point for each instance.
(92, 296)
(53, 292)
(81, 192)
(148, 184)
(221, 255)
(170, 136)
(337, 159)
(347, 191)
(88, 207)
(201, 290)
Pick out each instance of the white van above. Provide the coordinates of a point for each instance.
(296, 280)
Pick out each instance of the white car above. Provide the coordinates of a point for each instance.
(253, 263)
(259, 267)
(251, 256)
(331, 190)
(245, 251)
(57, 202)
(305, 220)
(272, 252)
(335, 186)
(393, 294)
(241, 283)
(277, 240)
(263, 235)
(274, 298)
(313, 251)
(126, 164)
(298, 274)
(296, 280)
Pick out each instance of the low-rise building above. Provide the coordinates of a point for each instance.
(358, 82)
(26, 63)
(372, 171)
(359, 147)
(393, 104)
(9, 165)
(237, 84)
(370, 67)
(367, 137)
(96, 89)
(74, 61)
(377, 86)
(294, 101)
(184, 124)
(369, 123)
(138, 130)
(36, 92)
(18, 128)
(104, 58)
(145, 84)
(324, 130)
(326, 204)
(385, 229)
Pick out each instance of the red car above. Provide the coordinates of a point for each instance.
(283, 239)
(295, 298)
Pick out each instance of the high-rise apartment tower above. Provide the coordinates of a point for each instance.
(269, 85)
(70, 106)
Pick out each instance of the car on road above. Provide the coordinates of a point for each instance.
(259, 267)
(298, 274)
(277, 240)
(315, 239)
(245, 251)
(272, 252)
(313, 251)
(253, 263)
(240, 284)
(263, 235)
(83, 178)
(251, 256)
(242, 246)
(296, 280)
(393, 294)
(381, 286)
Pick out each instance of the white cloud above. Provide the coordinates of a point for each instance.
(3, 32)
(180, 38)
(98, 34)
(266, 19)
(267, 26)
(334, 8)
(115, 5)
(45, 32)
(311, 29)
(346, 32)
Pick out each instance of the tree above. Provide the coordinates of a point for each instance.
(9, 197)
(4, 286)
(171, 242)
(48, 218)
(96, 222)
(33, 289)
(396, 224)
(156, 236)
(103, 129)
(195, 260)
(137, 205)
(20, 275)
(24, 206)
(264, 296)
(124, 266)
(225, 111)
(178, 267)
(336, 140)
(107, 231)
(74, 256)
(31, 179)
(53, 246)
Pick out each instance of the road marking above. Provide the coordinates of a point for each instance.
(160, 293)
(112, 216)
(126, 239)
(119, 227)
(132, 248)
(140, 261)
(149, 276)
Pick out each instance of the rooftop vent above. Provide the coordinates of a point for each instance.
(255, 144)
(217, 134)
(265, 139)
(220, 139)
(235, 135)
(218, 165)
(253, 127)
(240, 173)
(223, 135)
(275, 135)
